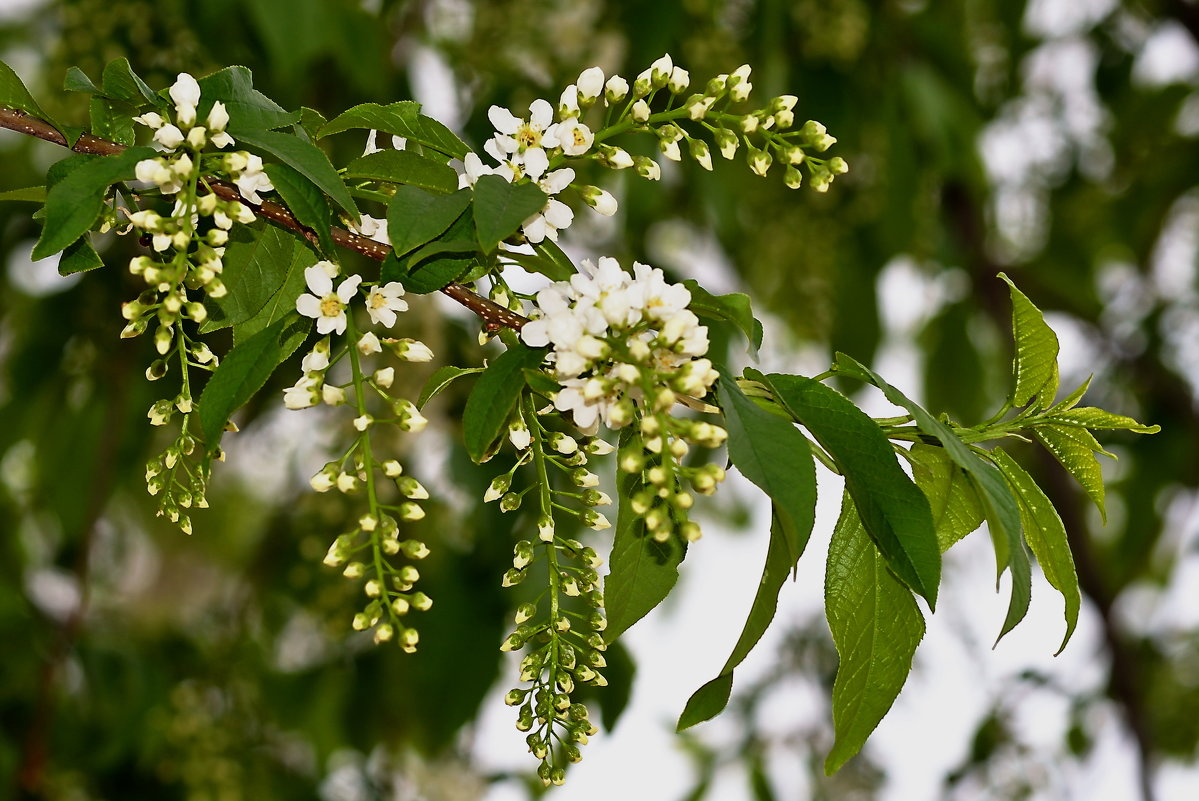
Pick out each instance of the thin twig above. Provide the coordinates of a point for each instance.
(494, 316)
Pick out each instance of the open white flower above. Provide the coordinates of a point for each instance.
(383, 302)
(572, 136)
(325, 305)
(523, 142)
(253, 180)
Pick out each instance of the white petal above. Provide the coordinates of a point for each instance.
(503, 119)
(541, 114)
(318, 280)
(554, 182)
(309, 306)
(345, 292)
(536, 162)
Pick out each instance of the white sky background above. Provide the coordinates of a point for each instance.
(683, 644)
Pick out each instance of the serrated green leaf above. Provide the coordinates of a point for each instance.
(495, 394)
(999, 505)
(433, 134)
(1092, 417)
(774, 455)
(241, 373)
(249, 110)
(30, 194)
(307, 159)
(734, 308)
(1046, 536)
(111, 119)
(876, 627)
(74, 203)
(415, 216)
(955, 506)
(13, 94)
(710, 700)
(894, 511)
(642, 571)
(396, 119)
(500, 208)
(1075, 449)
(257, 263)
(404, 167)
(311, 120)
(305, 201)
(76, 80)
(1036, 349)
(282, 304)
(120, 82)
(78, 257)
(442, 378)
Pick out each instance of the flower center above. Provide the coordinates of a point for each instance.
(527, 136)
(377, 300)
(331, 306)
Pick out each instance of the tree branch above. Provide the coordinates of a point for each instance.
(493, 315)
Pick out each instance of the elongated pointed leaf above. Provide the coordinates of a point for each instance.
(30, 194)
(249, 110)
(257, 266)
(500, 208)
(710, 700)
(78, 257)
(120, 82)
(894, 511)
(240, 375)
(876, 626)
(76, 80)
(774, 455)
(1033, 366)
(13, 94)
(415, 216)
(442, 378)
(307, 159)
(404, 167)
(734, 308)
(955, 506)
(306, 202)
(641, 570)
(1046, 536)
(399, 119)
(1075, 448)
(1091, 417)
(495, 394)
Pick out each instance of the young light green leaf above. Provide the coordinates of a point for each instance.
(257, 264)
(249, 110)
(876, 626)
(956, 508)
(1071, 400)
(501, 207)
(1036, 349)
(710, 700)
(30, 194)
(1092, 417)
(78, 257)
(894, 511)
(734, 308)
(306, 202)
(442, 378)
(242, 373)
(495, 394)
(774, 455)
(74, 203)
(13, 94)
(307, 159)
(404, 167)
(1046, 536)
(416, 216)
(642, 571)
(1075, 448)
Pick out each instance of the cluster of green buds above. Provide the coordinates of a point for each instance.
(560, 628)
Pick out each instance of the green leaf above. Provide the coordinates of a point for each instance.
(433, 134)
(74, 203)
(442, 378)
(1092, 417)
(311, 120)
(30, 194)
(1033, 366)
(250, 111)
(435, 266)
(257, 265)
(306, 202)
(491, 401)
(76, 80)
(710, 700)
(78, 257)
(734, 308)
(1075, 448)
(415, 217)
(501, 207)
(281, 304)
(307, 159)
(999, 506)
(396, 118)
(895, 512)
(955, 506)
(642, 571)
(111, 119)
(1071, 400)
(122, 83)
(876, 626)
(557, 265)
(540, 381)
(13, 94)
(772, 453)
(1046, 536)
(242, 373)
(403, 167)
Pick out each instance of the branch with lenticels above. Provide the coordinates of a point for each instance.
(493, 315)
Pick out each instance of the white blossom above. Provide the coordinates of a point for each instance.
(523, 142)
(383, 302)
(325, 305)
(186, 94)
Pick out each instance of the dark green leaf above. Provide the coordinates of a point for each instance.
(1092, 417)
(311, 121)
(30, 194)
(281, 304)
(396, 118)
(709, 700)
(734, 308)
(433, 134)
(257, 264)
(415, 217)
(13, 94)
(559, 267)
(242, 373)
(876, 626)
(774, 455)
(78, 257)
(495, 394)
(76, 80)
(1075, 448)
(952, 498)
(442, 378)
(895, 512)
(74, 203)
(404, 167)
(307, 159)
(306, 202)
(122, 83)
(500, 208)
(540, 381)
(1036, 350)
(111, 119)
(642, 571)
(1046, 536)
(249, 110)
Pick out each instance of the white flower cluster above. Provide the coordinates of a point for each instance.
(620, 339)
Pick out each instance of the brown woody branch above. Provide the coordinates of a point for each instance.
(493, 315)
